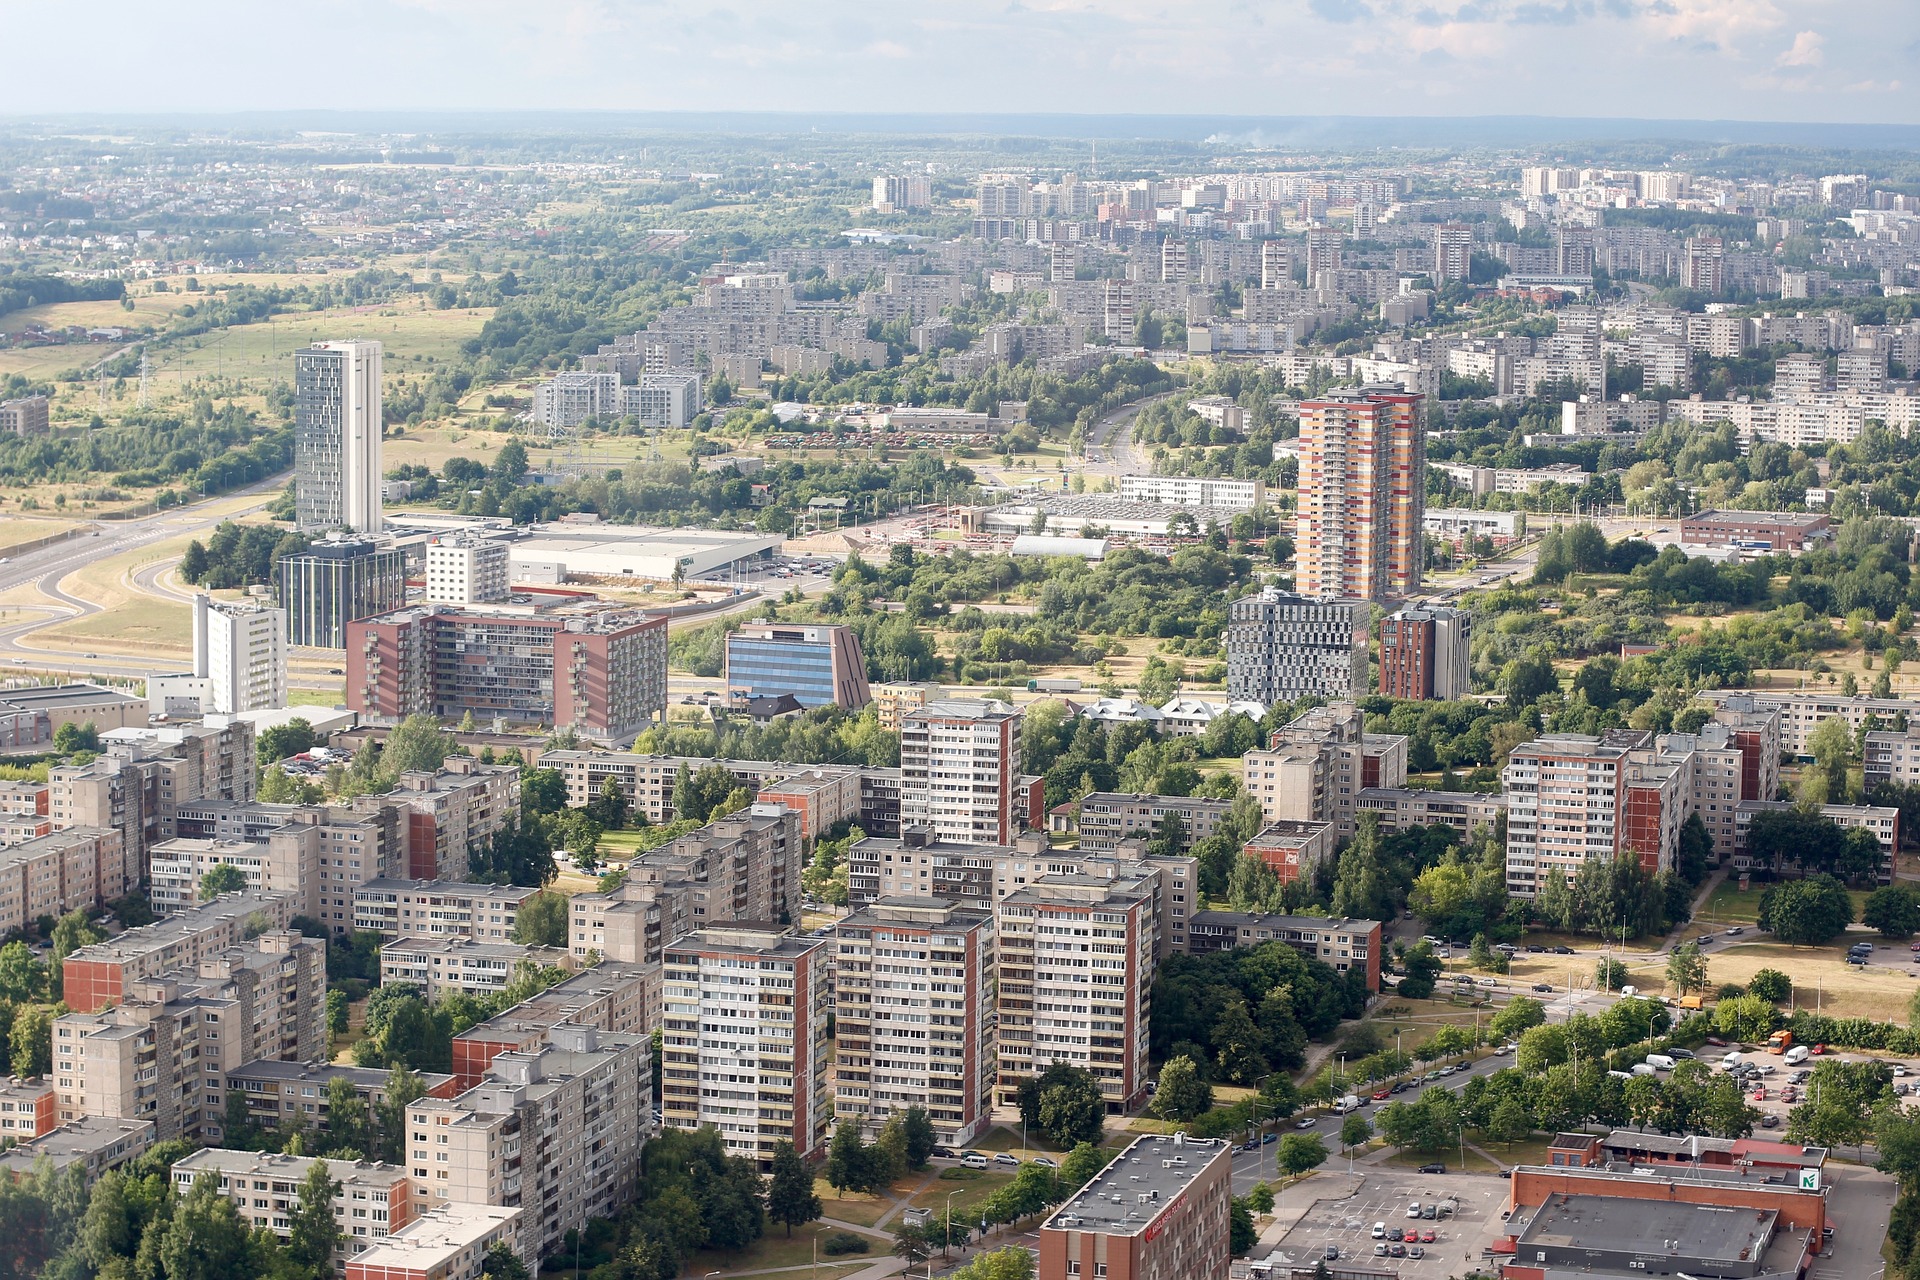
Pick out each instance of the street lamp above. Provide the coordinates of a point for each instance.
(947, 1238)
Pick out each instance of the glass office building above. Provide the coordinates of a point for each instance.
(335, 582)
(820, 666)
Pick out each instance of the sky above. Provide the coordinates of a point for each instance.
(1776, 60)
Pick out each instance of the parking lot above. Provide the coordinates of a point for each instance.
(1383, 1196)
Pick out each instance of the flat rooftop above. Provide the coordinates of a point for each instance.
(1156, 1166)
(184, 924)
(1620, 1225)
(53, 697)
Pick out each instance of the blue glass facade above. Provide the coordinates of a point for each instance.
(768, 668)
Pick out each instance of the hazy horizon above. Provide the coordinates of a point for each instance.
(1788, 61)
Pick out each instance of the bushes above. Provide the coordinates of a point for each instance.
(844, 1242)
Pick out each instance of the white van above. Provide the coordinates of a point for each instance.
(1621, 1075)
(1642, 1069)
(1796, 1055)
(1729, 1062)
(1660, 1062)
(974, 1162)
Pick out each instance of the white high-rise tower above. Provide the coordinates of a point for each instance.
(336, 437)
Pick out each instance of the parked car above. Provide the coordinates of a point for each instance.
(1397, 1250)
(1433, 1168)
(1395, 1233)
(1006, 1157)
(1429, 1235)
(1380, 1251)
(1305, 1122)
(1415, 1251)
(1046, 1162)
(1769, 1121)
(1431, 1212)
(1543, 986)
(1563, 951)
(1382, 1095)
(943, 1153)
(1331, 1252)
(1269, 1136)
(1379, 1231)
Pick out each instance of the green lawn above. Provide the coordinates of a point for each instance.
(776, 1249)
(857, 1207)
(1449, 1157)
(968, 1193)
(1729, 904)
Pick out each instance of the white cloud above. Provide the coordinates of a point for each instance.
(1807, 50)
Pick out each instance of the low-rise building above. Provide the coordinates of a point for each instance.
(373, 1199)
(1882, 821)
(1758, 530)
(1403, 807)
(1108, 817)
(439, 909)
(1292, 848)
(447, 1242)
(1160, 1209)
(443, 966)
(28, 1108)
(277, 1091)
(95, 1143)
(1341, 944)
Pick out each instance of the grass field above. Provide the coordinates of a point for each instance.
(968, 1193)
(858, 1207)
(776, 1249)
(15, 530)
(1729, 904)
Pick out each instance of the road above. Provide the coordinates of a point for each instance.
(48, 567)
(1110, 457)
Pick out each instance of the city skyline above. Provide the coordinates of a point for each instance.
(1786, 60)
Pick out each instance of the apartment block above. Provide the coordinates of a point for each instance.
(28, 1108)
(1425, 654)
(1341, 944)
(821, 666)
(1292, 848)
(339, 848)
(277, 1091)
(915, 865)
(162, 1055)
(50, 875)
(444, 966)
(449, 813)
(914, 1015)
(142, 773)
(373, 1201)
(1316, 766)
(611, 997)
(1282, 646)
(24, 416)
(1358, 533)
(1572, 797)
(239, 657)
(555, 1131)
(576, 663)
(1077, 958)
(94, 1143)
(448, 1242)
(960, 771)
(439, 908)
(1403, 807)
(745, 1039)
(893, 699)
(467, 569)
(282, 867)
(103, 974)
(1108, 817)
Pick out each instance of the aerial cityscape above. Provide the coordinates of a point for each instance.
(646, 674)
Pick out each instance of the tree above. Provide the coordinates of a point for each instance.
(1181, 1095)
(1807, 912)
(910, 1244)
(314, 1233)
(916, 1126)
(1065, 1103)
(206, 1239)
(1355, 1130)
(1422, 967)
(1241, 1235)
(609, 806)
(348, 1120)
(543, 791)
(502, 1263)
(72, 932)
(277, 786)
(404, 1088)
(1509, 1122)
(1770, 985)
(1609, 974)
(284, 740)
(1746, 1018)
(71, 737)
(1236, 1045)
(1081, 1164)
(1300, 1152)
(846, 1158)
(542, 920)
(417, 745)
(1520, 1014)
(697, 795)
(222, 877)
(790, 1197)
(1894, 911)
(1686, 969)
(337, 1013)
(32, 1041)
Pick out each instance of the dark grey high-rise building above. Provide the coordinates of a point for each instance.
(336, 437)
(336, 582)
(1282, 646)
